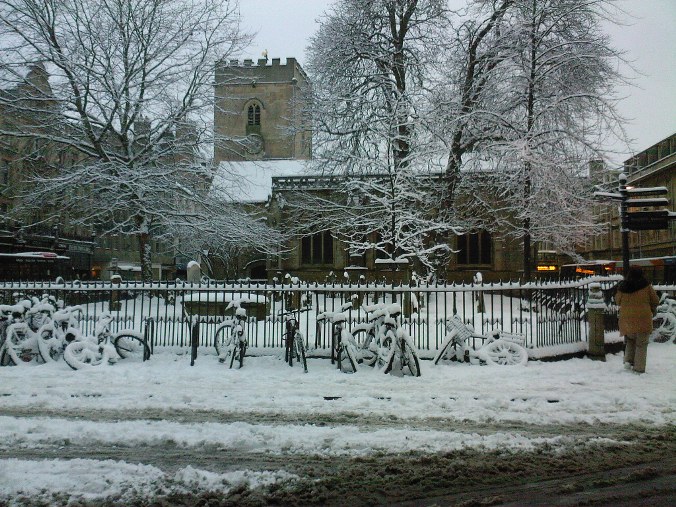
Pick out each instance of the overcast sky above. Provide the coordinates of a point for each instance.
(284, 27)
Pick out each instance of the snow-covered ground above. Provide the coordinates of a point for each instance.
(269, 408)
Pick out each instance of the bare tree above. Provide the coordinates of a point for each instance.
(368, 64)
(554, 110)
(128, 94)
(464, 106)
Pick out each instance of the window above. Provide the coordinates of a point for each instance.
(254, 115)
(317, 248)
(253, 121)
(475, 248)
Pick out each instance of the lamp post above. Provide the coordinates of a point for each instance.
(624, 222)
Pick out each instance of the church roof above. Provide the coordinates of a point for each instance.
(251, 181)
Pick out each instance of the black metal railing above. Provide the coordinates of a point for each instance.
(547, 314)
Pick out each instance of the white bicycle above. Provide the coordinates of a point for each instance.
(230, 338)
(106, 347)
(21, 344)
(344, 348)
(384, 343)
(499, 347)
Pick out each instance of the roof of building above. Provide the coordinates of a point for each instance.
(251, 181)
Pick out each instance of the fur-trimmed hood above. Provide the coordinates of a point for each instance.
(631, 286)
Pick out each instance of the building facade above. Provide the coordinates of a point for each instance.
(80, 254)
(260, 120)
(653, 167)
(23, 156)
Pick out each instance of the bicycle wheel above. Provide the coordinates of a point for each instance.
(222, 338)
(504, 352)
(300, 351)
(665, 327)
(410, 360)
(48, 347)
(242, 353)
(81, 354)
(131, 346)
(236, 354)
(347, 359)
(22, 346)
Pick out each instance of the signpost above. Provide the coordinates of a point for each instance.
(641, 220)
(648, 220)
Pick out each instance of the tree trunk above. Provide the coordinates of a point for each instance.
(529, 126)
(145, 250)
(526, 251)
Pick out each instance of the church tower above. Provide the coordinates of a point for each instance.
(260, 111)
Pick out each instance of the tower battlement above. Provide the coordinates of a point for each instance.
(260, 110)
(261, 62)
(263, 70)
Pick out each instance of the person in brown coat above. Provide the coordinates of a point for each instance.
(638, 302)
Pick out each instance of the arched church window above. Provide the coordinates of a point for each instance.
(254, 115)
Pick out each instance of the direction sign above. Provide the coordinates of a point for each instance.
(649, 220)
(613, 196)
(647, 191)
(651, 201)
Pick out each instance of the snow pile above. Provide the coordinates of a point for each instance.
(268, 408)
(92, 479)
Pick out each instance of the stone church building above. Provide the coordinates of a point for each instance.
(259, 114)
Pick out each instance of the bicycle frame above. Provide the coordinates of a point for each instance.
(293, 341)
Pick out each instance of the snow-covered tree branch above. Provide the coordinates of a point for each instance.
(124, 88)
(368, 64)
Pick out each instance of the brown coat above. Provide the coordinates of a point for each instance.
(637, 310)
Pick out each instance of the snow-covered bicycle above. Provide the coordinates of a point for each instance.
(384, 344)
(23, 344)
(106, 347)
(369, 334)
(498, 347)
(230, 338)
(664, 322)
(344, 348)
(56, 334)
(294, 342)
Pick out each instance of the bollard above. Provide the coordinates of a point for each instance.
(194, 340)
(596, 308)
(194, 274)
